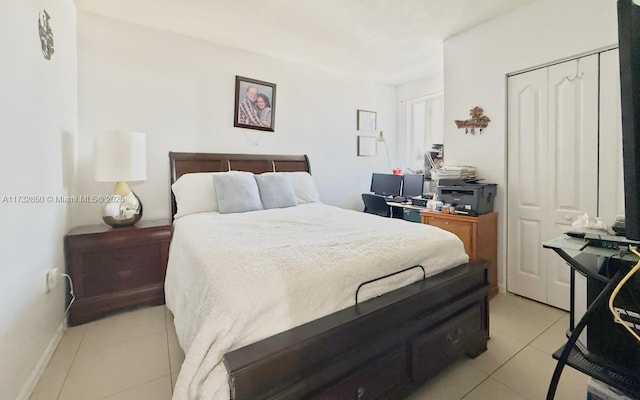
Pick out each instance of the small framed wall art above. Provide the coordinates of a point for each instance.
(367, 146)
(366, 121)
(255, 104)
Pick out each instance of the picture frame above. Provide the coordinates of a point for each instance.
(367, 146)
(255, 104)
(366, 121)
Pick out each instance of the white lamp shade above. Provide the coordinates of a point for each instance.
(120, 156)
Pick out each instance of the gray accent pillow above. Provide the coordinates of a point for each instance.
(236, 192)
(276, 190)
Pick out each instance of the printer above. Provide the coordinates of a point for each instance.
(470, 196)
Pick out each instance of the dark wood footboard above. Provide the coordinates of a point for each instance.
(382, 348)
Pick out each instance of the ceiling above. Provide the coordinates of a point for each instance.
(388, 41)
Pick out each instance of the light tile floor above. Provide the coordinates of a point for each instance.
(135, 356)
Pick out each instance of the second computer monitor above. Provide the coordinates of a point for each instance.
(413, 185)
(386, 184)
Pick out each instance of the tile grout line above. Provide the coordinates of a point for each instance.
(166, 328)
(73, 360)
(82, 342)
(134, 386)
(519, 351)
(164, 317)
(491, 374)
(509, 359)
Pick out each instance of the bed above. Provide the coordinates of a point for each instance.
(318, 324)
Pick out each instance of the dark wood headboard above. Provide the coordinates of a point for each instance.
(185, 163)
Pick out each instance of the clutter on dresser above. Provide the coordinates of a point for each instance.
(454, 172)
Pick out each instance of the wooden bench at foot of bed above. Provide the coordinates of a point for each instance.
(382, 348)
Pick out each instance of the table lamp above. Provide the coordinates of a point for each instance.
(120, 157)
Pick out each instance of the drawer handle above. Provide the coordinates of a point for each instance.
(360, 392)
(455, 337)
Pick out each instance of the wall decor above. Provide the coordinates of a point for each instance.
(366, 120)
(255, 106)
(367, 146)
(477, 120)
(46, 34)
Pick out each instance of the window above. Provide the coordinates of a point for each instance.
(425, 127)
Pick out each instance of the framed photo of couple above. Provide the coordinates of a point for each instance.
(255, 106)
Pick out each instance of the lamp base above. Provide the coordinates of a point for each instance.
(124, 209)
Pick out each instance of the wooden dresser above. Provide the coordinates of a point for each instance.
(479, 235)
(116, 268)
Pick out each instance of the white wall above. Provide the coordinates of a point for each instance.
(411, 90)
(38, 124)
(476, 63)
(180, 91)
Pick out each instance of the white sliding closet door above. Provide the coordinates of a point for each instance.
(611, 187)
(527, 183)
(552, 175)
(573, 161)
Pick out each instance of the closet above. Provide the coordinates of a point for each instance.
(564, 160)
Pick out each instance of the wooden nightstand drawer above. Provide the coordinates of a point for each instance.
(105, 272)
(116, 268)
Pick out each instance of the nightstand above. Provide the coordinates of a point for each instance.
(478, 234)
(116, 268)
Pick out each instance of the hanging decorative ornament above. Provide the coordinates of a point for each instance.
(477, 120)
(46, 34)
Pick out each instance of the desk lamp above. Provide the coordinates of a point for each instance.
(382, 140)
(120, 157)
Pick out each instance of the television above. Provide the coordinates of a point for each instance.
(386, 184)
(412, 185)
(629, 53)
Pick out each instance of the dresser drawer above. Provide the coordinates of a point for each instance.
(433, 349)
(462, 229)
(372, 381)
(112, 271)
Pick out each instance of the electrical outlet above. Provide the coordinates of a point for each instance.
(52, 278)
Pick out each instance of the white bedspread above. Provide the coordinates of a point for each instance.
(233, 279)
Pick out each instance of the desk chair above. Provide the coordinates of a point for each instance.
(375, 204)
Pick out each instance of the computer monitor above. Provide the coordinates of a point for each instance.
(413, 185)
(386, 184)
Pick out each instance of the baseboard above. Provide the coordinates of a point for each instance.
(502, 288)
(35, 376)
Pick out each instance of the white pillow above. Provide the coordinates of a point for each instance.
(304, 187)
(237, 192)
(276, 190)
(195, 193)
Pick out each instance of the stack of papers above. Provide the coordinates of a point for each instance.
(454, 172)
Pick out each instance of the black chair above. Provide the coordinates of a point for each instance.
(376, 204)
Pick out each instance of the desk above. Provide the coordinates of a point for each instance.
(600, 366)
(404, 205)
(406, 211)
